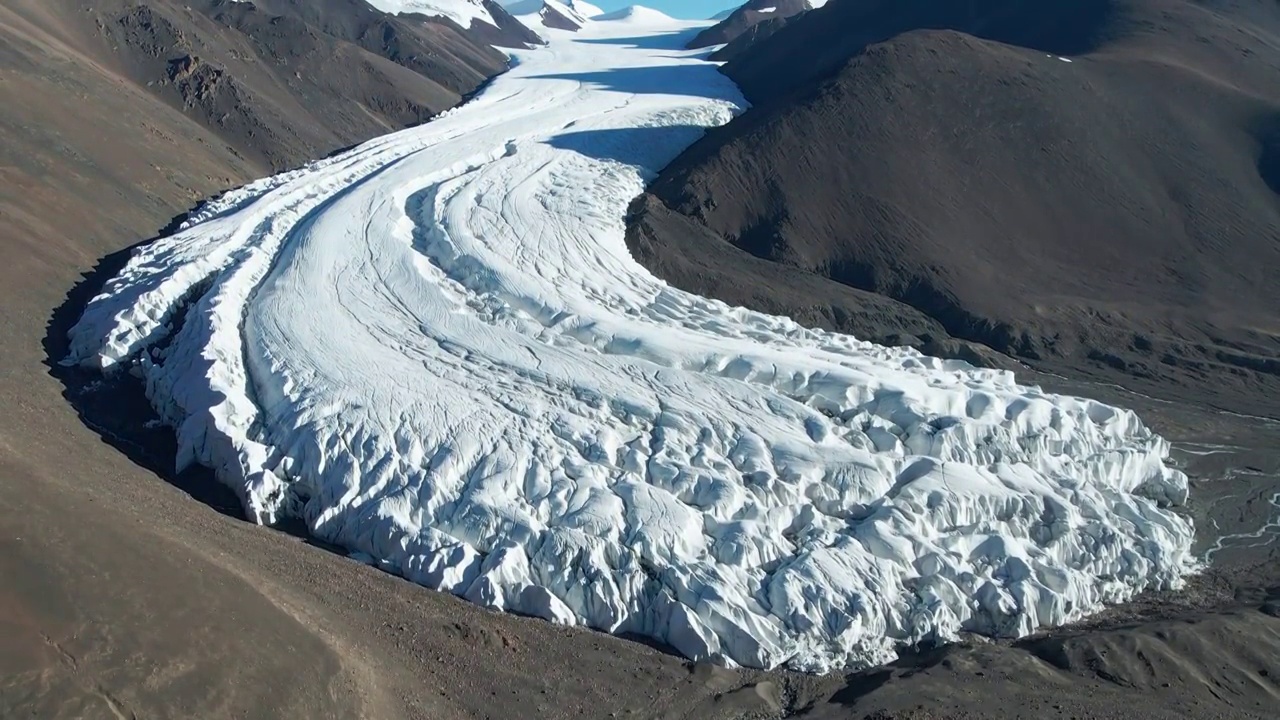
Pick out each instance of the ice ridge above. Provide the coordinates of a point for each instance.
(436, 351)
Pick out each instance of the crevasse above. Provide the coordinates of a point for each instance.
(436, 350)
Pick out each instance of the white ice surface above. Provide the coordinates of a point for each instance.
(585, 9)
(640, 15)
(459, 11)
(436, 350)
(567, 11)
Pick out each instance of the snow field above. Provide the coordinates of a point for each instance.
(462, 12)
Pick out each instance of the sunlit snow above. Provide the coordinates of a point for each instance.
(531, 12)
(463, 12)
(585, 9)
(436, 350)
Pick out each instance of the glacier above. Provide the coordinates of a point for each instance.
(462, 12)
(436, 351)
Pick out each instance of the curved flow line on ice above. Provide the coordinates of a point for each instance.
(442, 350)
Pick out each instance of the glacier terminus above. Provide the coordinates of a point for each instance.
(435, 350)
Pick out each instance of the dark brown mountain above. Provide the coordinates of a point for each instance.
(561, 16)
(510, 32)
(1088, 186)
(744, 42)
(279, 80)
(746, 18)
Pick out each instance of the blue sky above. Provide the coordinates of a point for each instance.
(674, 8)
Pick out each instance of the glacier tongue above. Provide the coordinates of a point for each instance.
(436, 350)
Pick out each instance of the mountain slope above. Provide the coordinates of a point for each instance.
(585, 9)
(746, 18)
(561, 17)
(171, 608)
(546, 13)
(1114, 216)
(484, 19)
(279, 81)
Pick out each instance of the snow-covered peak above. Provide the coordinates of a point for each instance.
(765, 9)
(463, 12)
(548, 14)
(566, 10)
(487, 20)
(585, 9)
(636, 14)
(574, 10)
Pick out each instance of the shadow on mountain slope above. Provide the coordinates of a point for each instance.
(630, 146)
(664, 40)
(280, 82)
(648, 80)
(749, 16)
(1086, 187)
(117, 408)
